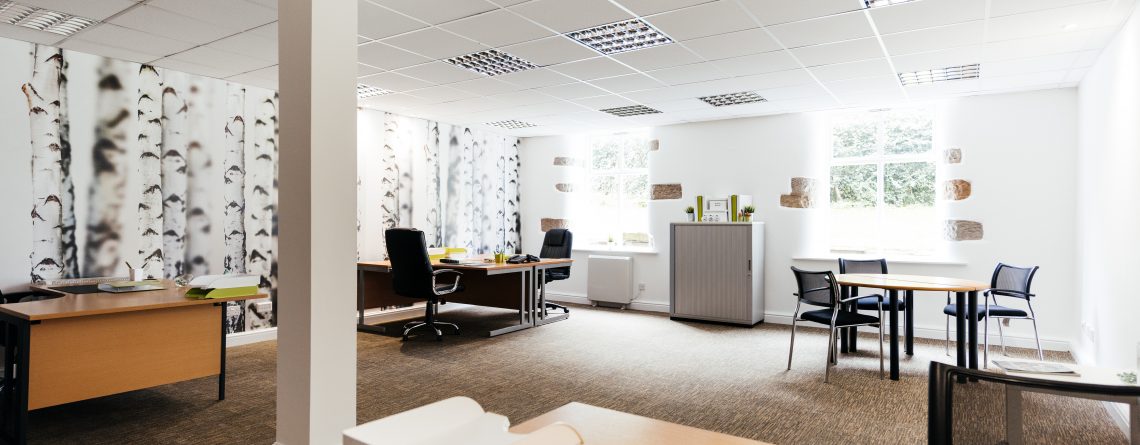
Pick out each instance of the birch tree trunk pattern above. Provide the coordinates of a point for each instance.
(103, 250)
(67, 189)
(150, 169)
(234, 195)
(200, 181)
(43, 114)
(174, 181)
(260, 208)
(273, 230)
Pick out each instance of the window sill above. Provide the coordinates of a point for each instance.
(617, 249)
(940, 261)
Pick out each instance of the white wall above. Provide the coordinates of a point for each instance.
(1019, 151)
(1108, 218)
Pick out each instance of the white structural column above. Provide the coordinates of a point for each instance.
(316, 336)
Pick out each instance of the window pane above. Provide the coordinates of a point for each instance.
(854, 135)
(909, 230)
(907, 132)
(605, 155)
(635, 187)
(636, 152)
(854, 185)
(603, 189)
(908, 184)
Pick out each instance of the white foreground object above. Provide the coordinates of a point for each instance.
(458, 420)
(225, 281)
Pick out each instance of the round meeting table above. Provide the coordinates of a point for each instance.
(966, 298)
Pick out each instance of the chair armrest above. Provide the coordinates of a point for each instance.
(1015, 293)
(454, 286)
(877, 297)
(439, 271)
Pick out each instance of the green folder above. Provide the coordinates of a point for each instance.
(733, 218)
(200, 294)
(700, 207)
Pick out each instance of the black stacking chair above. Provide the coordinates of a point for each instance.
(557, 244)
(871, 302)
(1007, 281)
(820, 289)
(413, 277)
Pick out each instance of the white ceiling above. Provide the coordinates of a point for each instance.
(799, 54)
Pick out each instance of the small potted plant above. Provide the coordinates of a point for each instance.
(746, 213)
(691, 212)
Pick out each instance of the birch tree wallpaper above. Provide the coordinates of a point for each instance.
(120, 162)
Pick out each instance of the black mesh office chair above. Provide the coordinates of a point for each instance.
(557, 244)
(1007, 281)
(819, 289)
(413, 277)
(870, 302)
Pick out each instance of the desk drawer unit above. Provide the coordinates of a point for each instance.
(717, 272)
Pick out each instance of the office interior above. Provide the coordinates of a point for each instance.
(580, 222)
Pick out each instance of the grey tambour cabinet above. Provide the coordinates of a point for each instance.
(717, 272)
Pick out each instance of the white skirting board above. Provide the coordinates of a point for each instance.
(260, 335)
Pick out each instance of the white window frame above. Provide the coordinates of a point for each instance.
(620, 173)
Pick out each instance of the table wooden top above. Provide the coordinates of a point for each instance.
(79, 305)
(601, 426)
(910, 282)
(488, 267)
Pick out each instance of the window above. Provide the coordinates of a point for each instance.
(882, 183)
(619, 191)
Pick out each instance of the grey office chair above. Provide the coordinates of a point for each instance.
(413, 277)
(820, 289)
(1007, 281)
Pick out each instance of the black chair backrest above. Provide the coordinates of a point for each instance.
(816, 287)
(558, 243)
(862, 266)
(1013, 278)
(411, 265)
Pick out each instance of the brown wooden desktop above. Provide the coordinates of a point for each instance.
(504, 285)
(82, 346)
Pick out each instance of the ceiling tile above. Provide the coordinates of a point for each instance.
(1051, 21)
(1024, 81)
(434, 43)
(939, 59)
(551, 50)
(497, 28)
(439, 73)
(602, 102)
(650, 7)
(835, 28)
(118, 36)
(733, 44)
(999, 8)
(520, 98)
(96, 10)
(851, 70)
(931, 39)
(164, 23)
(703, 20)
(765, 81)
(388, 57)
(793, 92)
(679, 105)
(773, 12)
(437, 11)
(758, 63)
(697, 72)
(249, 44)
(88, 47)
(849, 51)
(485, 86)
(536, 78)
(1055, 62)
(926, 13)
(361, 39)
(375, 22)
(193, 68)
(658, 57)
(268, 31)
(234, 15)
(1076, 75)
(572, 90)
(1055, 43)
(225, 61)
(565, 16)
(394, 82)
(394, 102)
(364, 70)
(630, 82)
(441, 94)
(589, 69)
(271, 4)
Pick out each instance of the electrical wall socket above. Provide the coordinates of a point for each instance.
(640, 286)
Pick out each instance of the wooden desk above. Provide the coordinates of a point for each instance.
(601, 426)
(82, 346)
(485, 285)
(966, 292)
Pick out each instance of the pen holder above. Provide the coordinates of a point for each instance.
(500, 258)
(138, 274)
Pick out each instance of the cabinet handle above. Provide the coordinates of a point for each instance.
(750, 265)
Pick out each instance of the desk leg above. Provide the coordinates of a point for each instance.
(1013, 416)
(526, 306)
(894, 295)
(972, 327)
(960, 323)
(908, 315)
(14, 404)
(546, 318)
(844, 341)
(360, 325)
(222, 356)
(1134, 422)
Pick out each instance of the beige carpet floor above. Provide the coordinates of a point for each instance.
(722, 378)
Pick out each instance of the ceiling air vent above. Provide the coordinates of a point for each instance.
(632, 110)
(511, 124)
(41, 19)
(743, 97)
(491, 62)
(971, 71)
(619, 37)
(363, 91)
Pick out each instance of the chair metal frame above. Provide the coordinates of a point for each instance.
(993, 292)
(833, 330)
(843, 262)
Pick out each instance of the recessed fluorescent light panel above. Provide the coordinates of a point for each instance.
(940, 74)
(491, 62)
(41, 19)
(878, 3)
(363, 91)
(743, 97)
(632, 110)
(511, 124)
(628, 35)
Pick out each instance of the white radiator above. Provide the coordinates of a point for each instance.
(610, 279)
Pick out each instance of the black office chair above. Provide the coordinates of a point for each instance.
(557, 244)
(413, 277)
(820, 289)
(1007, 281)
(870, 302)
